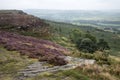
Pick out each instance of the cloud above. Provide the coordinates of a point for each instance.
(60, 4)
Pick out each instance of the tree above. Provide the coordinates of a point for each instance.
(93, 38)
(102, 45)
(86, 42)
(75, 35)
(87, 45)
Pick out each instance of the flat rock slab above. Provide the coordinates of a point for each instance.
(39, 67)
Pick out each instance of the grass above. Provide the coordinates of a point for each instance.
(11, 62)
(75, 74)
(106, 68)
(61, 75)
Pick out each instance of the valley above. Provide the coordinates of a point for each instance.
(100, 19)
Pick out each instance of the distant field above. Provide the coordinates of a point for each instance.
(100, 19)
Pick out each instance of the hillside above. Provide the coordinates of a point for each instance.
(33, 48)
(102, 24)
(64, 30)
(36, 49)
(21, 23)
(17, 18)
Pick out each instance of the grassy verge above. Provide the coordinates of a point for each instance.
(11, 62)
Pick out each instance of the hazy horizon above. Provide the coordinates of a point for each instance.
(61, 4)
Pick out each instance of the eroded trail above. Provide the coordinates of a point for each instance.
(39, 67)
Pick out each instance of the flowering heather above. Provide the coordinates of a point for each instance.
(34, 48)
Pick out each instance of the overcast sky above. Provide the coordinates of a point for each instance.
(60, 4)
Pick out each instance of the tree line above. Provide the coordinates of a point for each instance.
(86, 42)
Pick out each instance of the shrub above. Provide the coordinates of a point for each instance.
(87, 45)
(102, 45)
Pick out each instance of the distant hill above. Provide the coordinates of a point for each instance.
(74, 15)
(99, 19)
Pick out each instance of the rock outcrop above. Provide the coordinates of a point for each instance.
(39, 67)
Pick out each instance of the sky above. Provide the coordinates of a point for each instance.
(61, 4)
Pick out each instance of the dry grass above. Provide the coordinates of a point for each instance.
(11, 62)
